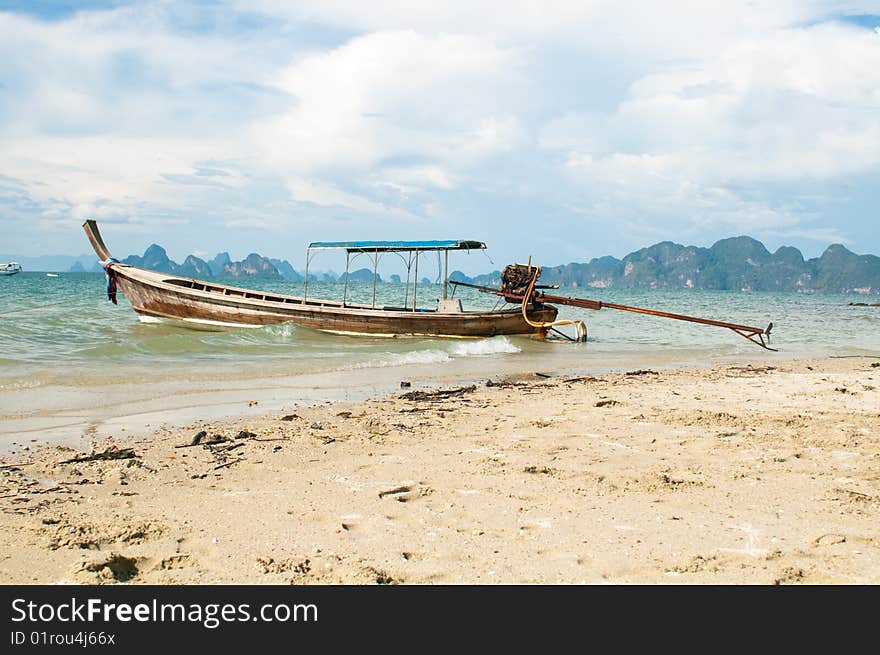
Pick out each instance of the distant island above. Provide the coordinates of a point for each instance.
(255, 266)
(156, 258)
(735, 264)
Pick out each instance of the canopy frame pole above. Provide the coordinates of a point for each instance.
(408, 271)
(375, 274)
(347, 263)
(416, 280)
(446, 275)
(306, 287)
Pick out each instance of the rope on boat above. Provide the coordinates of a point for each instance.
(111, 278)
(579, 327)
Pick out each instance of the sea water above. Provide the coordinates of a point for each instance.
(72, 364)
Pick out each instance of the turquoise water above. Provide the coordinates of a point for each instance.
(70, 358)
(63, 329)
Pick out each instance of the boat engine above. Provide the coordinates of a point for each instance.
(516, 280)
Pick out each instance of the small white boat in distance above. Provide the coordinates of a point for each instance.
(10, 269)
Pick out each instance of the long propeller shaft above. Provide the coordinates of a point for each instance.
(754, 334)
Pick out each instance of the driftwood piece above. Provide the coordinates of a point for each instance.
(397, 490)
(196, 440)
(109, 454)
(226, 449)
(200, 440)
(438, 395)
(506, 384)
(230, 463)
(750, 369)
(641, 371)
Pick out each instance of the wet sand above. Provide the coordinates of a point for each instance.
(730, 474)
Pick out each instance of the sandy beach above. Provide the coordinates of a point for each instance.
(762, 474)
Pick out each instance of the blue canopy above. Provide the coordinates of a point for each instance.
(392, 246)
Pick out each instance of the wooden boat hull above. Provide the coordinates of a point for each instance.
(162, 296)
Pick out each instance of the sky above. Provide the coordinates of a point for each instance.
(558, 130)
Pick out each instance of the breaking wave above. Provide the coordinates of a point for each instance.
(421, 357)
(402, 359)
(283, 330)
(492, 346)
(480, 348)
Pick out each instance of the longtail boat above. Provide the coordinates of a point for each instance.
(155, 295)
(160, 295)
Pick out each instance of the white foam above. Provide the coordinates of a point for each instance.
(492, 346)
(420, 357)
(479, 348)
(402, 359)
(284, 330)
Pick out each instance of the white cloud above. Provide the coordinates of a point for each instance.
(820, 234)
(391, 95)
(798, 104)
(669, 30)
(756, 110)
(326, 194)
(659, 119)
(127, 69)
(412, 179)
(85, 169)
